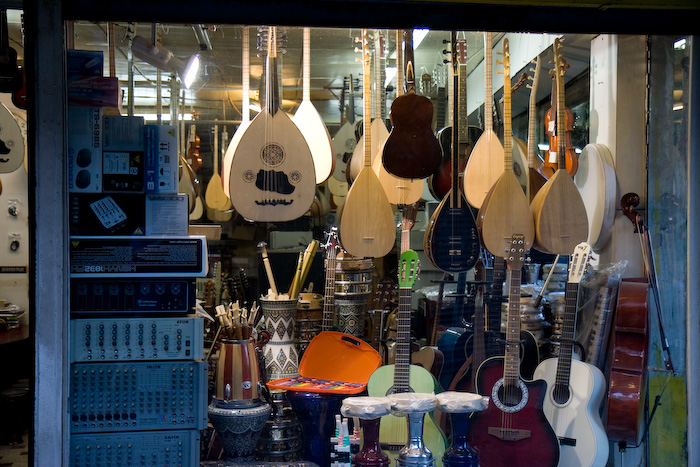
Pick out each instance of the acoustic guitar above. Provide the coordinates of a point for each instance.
(245, 113)
(402, 376)
(560, 216)
(575, 389)
(513, 430)
(399, 191)
(367, 227)
(411, 150)
(534, 161)
(451, 241)
(505, 208)
(310, 123)
(485, 164)
(272, 175)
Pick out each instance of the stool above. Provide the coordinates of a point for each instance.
(13, 403)
(414, 405)
(460, 405)
(369, 410)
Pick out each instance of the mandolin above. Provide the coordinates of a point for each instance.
(505, 208)
(402, 376)
(560, 216)
(451, 241)
(245, 113)
(310, 123)
(485, 165)
(534, 162)
(399, 191)
(513, 430)
(575, 389)
(272, 176)
(367, 227)
(411, 150)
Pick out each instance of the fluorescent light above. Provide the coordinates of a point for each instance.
(679, 44)
(390, 74)
(191, 71)
(152, 117)
(677, 106)
(418, 36)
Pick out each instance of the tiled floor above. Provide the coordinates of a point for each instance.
(16, 455)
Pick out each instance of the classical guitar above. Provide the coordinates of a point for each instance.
(245, 113)
(451, 241)
(399, 191)
(367, 226)
(513, 430)
(310, 123)
(557, 208)
(402, 376)
(411, 150)
(505, 207)
(272, 175)
(534, 161)
(441, 181)
(485, 164)
(575, 389)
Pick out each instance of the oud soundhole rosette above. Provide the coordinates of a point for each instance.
(272, 154)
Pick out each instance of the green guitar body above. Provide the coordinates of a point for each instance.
(393, 430)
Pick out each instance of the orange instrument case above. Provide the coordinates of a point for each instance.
(335, 363)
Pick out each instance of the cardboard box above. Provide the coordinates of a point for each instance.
(84, 149)
(167, 214)
(122, 171)
(161, 159)
(122, 133)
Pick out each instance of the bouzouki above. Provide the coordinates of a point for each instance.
(575, 389)
(399, 191)
(272, 175)
(505, 208)
(245, 113)
(485, 164)
(534, 162)
(451, 240)
(411, 150)
(367, 226)
(310, 123)
(402, 376)
(513, 430)
(557, 208)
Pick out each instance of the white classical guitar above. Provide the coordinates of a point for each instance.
(272, 176)
(575, 389)
(310, 123)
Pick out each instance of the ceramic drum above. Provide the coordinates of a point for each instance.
(353, 286)
(281, 356)
(237, 373)
(238, 427)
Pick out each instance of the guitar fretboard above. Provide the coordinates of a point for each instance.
(567, 335)
(402, 359)
(329, 297)
(512, 353)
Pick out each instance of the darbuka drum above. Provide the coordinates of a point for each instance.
(281, 357)
(308, 320)
(353, 286)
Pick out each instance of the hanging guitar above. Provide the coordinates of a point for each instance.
(367, 227)
(272, 176)
(451, 241)
(344, 141)
(557, 208)
(575, 389)
(534, 161)
(513, 430)
(411, 150)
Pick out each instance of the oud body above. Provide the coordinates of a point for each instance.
(522, 438)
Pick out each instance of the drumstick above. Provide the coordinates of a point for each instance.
(308, 259)
(268, 268)
(296, 282)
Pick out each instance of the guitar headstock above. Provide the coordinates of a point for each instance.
(515, 259)
(408, 269)
(331, 244)
(408, 217)
(579, 262)
(461, 51)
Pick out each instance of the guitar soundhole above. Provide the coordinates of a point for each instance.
(510, 395)
(510, 398)
(561, 393)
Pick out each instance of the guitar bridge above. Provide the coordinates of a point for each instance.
(509, 434)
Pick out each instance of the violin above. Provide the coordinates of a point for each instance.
(550, 123)
(193, 144)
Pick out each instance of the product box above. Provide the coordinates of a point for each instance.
(122, 171)
(95, 91)
(81, 64)
(128, 214)
(122, 133)
(161, 159)
(84, 149)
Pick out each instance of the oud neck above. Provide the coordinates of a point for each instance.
(329, 295)
(272, 98)
(507, 132)
(488, 76)
(306, 66)
(567, 334)
(511, 372)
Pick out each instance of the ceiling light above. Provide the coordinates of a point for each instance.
(679, 44)
(162, 58)
(418, 36)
